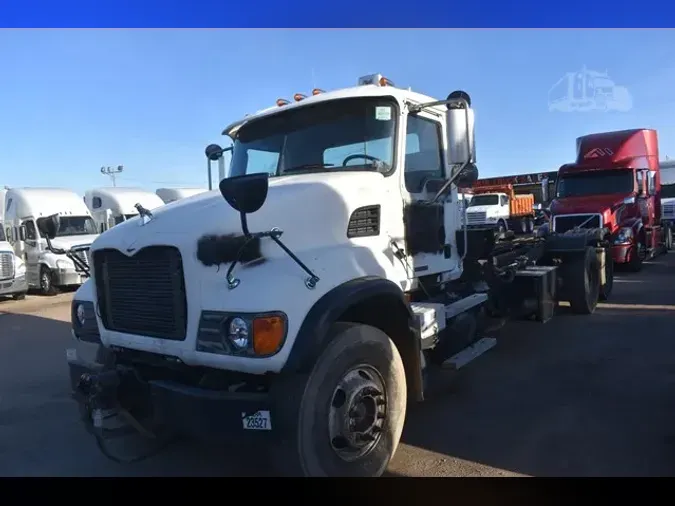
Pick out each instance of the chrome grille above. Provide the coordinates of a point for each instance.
(143, 294)
(6, 265)
(669, 210)
(476, 217)
(82, 254)
(563, 223)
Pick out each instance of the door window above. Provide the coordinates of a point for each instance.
(423, 159)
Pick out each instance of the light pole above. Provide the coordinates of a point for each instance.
(112, 172)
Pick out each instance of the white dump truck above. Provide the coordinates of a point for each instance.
(12, 268)
(49, 268)
(323, 289)
(169, 195)
(110, 206)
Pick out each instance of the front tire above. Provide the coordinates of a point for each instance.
(638, 256)
(351, 408)
(606, 289)
(582, 277)
(19, 296)
(669, 239)
(47, 281)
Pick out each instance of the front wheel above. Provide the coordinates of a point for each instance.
(47, 281)
(352, 408)
(19, 296)
(638, 256)
(582, 279)
(606, 289)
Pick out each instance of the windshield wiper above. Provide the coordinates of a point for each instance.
(308, 166)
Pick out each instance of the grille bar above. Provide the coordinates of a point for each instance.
(143, 294)
(6, 265)
(564, 223)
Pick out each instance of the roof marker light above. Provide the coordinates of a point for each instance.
(299, 96)
(282, 101)
(316, 91)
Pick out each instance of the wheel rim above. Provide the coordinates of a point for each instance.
(46, 282)
(641, 251)
(357, 413)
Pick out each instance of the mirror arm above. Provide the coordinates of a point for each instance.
(73, 257)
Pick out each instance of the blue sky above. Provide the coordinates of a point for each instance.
(72, 101)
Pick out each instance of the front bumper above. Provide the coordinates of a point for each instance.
(64, 277)
(12, 286)
(199, 413)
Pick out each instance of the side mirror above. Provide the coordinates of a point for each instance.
(213, 152)
(544, 190)
(459, 126)
(467, 177)
(245, 194)
(628, 201)
(49, 226)
(22, 233)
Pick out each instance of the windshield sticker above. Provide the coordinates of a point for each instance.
(383, 113)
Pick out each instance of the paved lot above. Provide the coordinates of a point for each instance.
(576, 396)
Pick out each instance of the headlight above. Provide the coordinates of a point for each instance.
(255, 335)
(237, 333)
(83, 321)
(64, 265)
(624, 236)
(20, 268)
(80, 314)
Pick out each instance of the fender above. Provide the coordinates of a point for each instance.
(311, 338)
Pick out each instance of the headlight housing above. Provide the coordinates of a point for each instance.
(83, 321)
(64, 265)
(241, 334)
(624, 236)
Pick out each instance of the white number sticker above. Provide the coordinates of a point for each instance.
(383, 113)
(257, 421)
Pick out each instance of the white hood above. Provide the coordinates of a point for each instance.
(71, 241)
(312, 210)
(5, 247)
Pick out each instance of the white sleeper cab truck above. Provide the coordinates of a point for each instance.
(65, 263)
(112, 205)
(12, 268)
(169, 195)
(326, 286)
(668, 200)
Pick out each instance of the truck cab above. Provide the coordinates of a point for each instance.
(501, 208)
(26, 210)
(614, 184)
(111, 206)
(12, 268)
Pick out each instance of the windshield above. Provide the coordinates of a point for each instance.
(74, 225)
(484, 200)
(347, 134)
(668, 191)
(595, 183)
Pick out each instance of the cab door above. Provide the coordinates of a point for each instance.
(430, 229)
(32, 251)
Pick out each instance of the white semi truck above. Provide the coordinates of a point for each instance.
(111, 206)
(12, 268)
(47, 268)
(668, 199)
(327, 286)
(169, 195)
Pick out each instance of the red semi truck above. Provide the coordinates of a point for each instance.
(614, 184)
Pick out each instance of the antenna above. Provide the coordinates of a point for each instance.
(112, 172)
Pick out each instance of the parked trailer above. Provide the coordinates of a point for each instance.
(337, 318)
(12, 268)
(48, 269)
(169, 195)
(111, 206)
